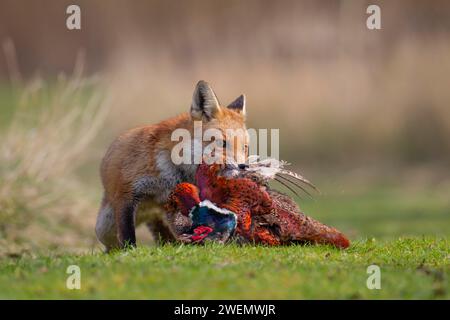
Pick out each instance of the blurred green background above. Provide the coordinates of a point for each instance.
(362, 113)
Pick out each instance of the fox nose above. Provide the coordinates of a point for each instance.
(242, 166)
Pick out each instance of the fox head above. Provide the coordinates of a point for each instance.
(225, 137)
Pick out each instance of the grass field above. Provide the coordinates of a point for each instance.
(49, 197)
(364, 114)
(410, 269)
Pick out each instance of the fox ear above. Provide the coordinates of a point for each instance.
(204, 102)
(238, 105)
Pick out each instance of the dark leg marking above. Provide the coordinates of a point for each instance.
(126, 227)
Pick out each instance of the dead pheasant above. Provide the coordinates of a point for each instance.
(233, 203)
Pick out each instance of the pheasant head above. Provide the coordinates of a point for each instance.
(208, 220)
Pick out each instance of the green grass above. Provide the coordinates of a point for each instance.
(405, 233)
(407, 230)
(410, 268)
(384, 211)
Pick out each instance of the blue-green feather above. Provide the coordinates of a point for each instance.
(223, 224)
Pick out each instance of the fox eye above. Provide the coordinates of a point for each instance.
(224, 144)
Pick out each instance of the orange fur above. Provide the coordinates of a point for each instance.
(134, 156)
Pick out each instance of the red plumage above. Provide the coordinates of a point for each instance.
(264, 216)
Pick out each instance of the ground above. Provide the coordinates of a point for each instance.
(405, 236)
(397, 219)
(410, 269)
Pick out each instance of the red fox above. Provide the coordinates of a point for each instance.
(138, 173)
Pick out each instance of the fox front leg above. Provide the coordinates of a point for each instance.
(125, 219)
